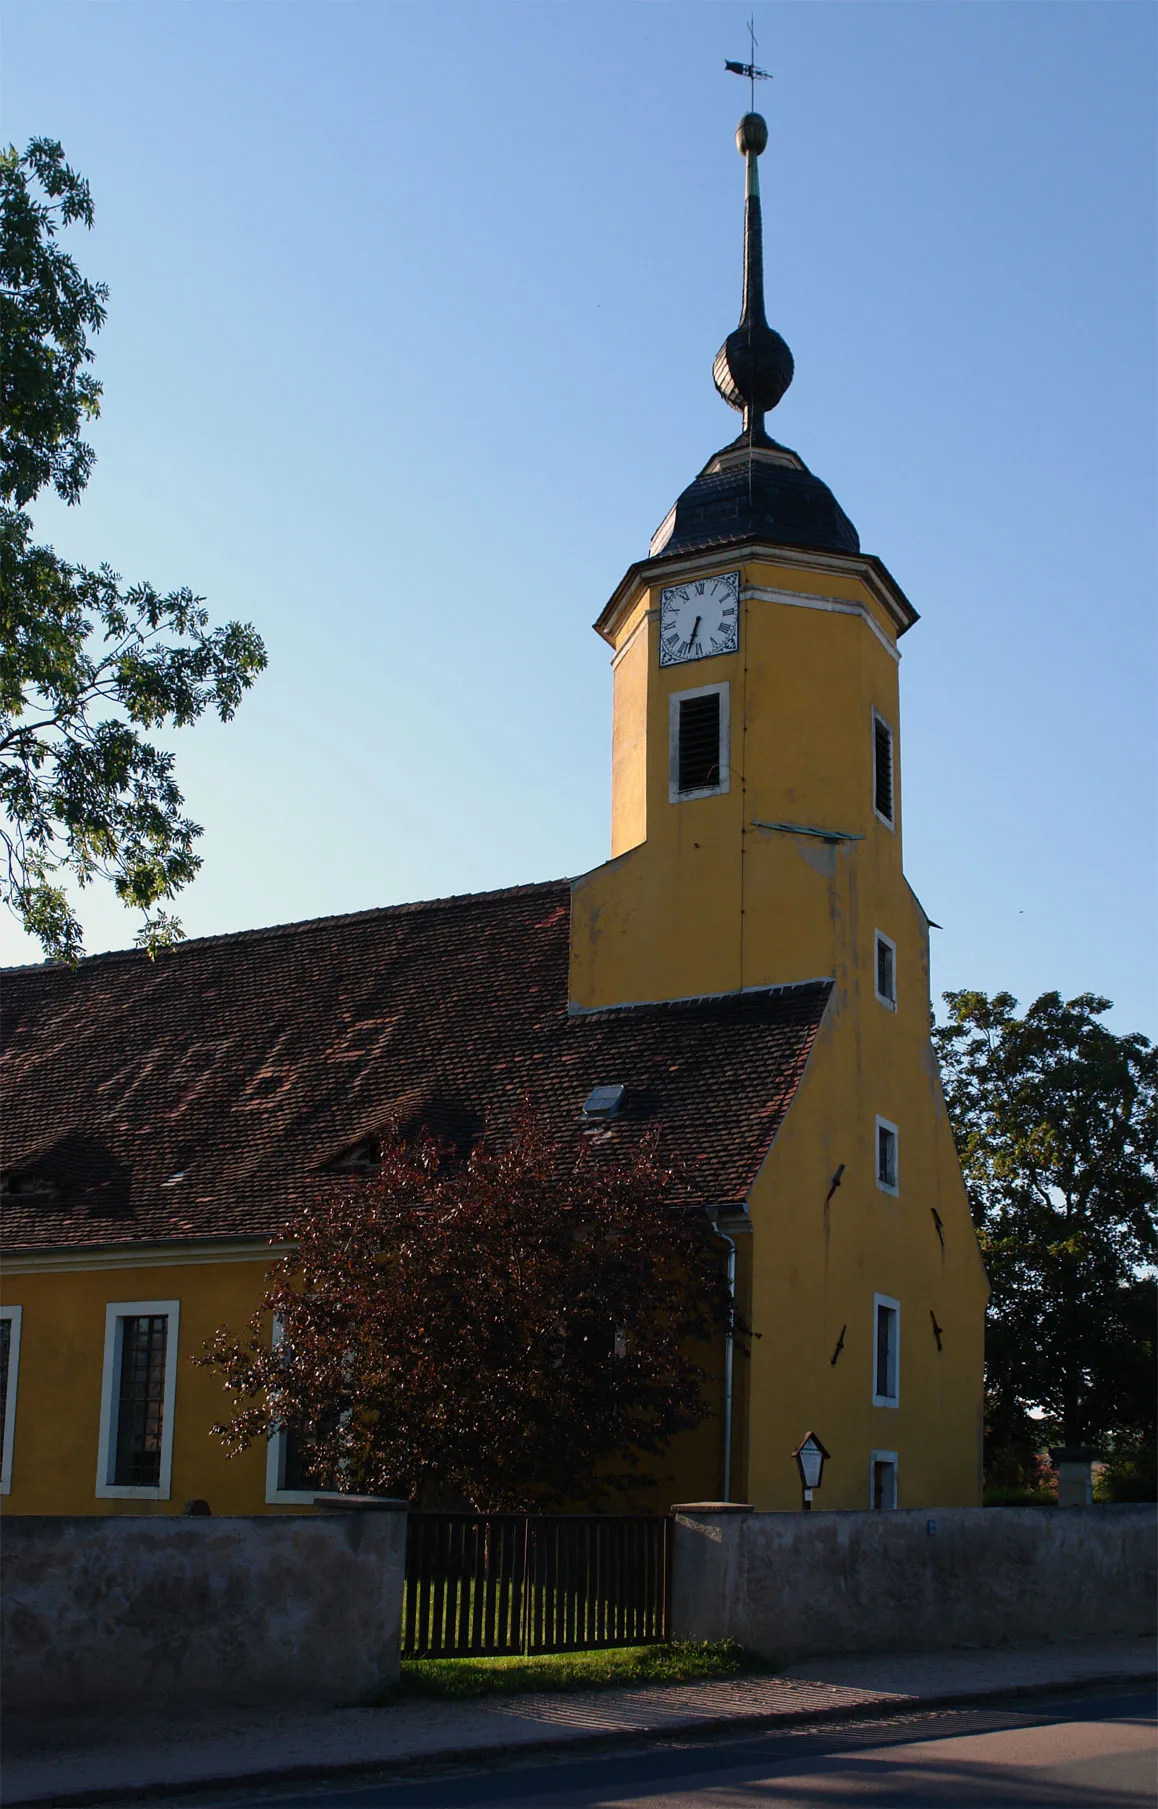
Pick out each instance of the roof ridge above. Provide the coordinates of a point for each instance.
(775, 989)
(299, 925)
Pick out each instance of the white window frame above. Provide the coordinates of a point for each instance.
(885, 1124)
(13, 1315)
(115, 1311)
(894, 1399)
(882, 1457)
(879, 937)
(889, 822)
(275, 1456)
(675, 795)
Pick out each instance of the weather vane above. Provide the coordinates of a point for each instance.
(749, 69)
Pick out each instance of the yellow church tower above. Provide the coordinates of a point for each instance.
(756, 843)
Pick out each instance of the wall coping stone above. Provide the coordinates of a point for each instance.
(363, 1504)
(711, 1507)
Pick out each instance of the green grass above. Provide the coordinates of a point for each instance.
(618, 1667)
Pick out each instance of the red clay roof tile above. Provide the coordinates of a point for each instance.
(198, 1095)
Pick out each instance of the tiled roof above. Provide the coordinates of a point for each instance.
(245, 1064)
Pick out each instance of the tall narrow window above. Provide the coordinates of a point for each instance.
(141, 1403)
(5, 1364)
(137, 1399)
(886, 1346)
(884, 1385)
(699, 743)
(883, 769)
(9, 1370)
(886, 976)
(883, 1481)
(291, 1462)
(887, 1169)
(296, 1465)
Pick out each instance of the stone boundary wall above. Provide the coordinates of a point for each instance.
(124, 1608)
(800, 1585)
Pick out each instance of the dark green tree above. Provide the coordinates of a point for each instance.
(88, 665)
(1056, 1121)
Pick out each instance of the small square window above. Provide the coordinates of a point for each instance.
(886, 1156)
(699, 743)
(886, 975)
(883, 769)
(138, 1391)
(886, 1350)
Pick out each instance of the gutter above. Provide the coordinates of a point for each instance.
(729, 1356)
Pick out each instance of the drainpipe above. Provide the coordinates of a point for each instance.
(729, 1356)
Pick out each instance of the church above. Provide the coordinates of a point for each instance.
(746, 975)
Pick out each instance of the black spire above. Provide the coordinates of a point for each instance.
(753, 367)
(754, 490)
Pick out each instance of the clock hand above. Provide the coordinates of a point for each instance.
(695, 634)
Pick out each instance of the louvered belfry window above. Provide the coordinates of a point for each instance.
(141, 1403)
(883, 768)
(699, 742)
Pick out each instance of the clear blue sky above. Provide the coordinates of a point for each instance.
(412, 316)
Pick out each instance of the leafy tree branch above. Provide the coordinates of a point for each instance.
(88, 665)
(1056, 1122)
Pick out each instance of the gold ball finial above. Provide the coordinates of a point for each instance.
(751, 134)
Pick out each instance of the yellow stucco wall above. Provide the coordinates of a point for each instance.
(711, 902)
(817, 1269)
(58, 1395)
(629, 744)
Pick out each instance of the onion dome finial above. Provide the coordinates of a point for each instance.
(753, 367)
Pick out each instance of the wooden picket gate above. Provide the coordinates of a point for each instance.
(518, 1583)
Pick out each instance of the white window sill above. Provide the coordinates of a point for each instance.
(125, 1491)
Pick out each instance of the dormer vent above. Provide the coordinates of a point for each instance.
(362, 1158)
(603, 1102)
(14, 1184)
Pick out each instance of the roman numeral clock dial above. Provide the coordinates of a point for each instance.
(699, 618)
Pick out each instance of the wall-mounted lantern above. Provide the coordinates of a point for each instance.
(810, 1455)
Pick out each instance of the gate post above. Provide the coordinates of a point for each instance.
(706, 1552)
(380, 1525)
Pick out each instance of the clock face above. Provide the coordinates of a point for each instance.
(699, 618)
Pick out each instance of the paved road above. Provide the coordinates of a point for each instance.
(1079, 1750)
